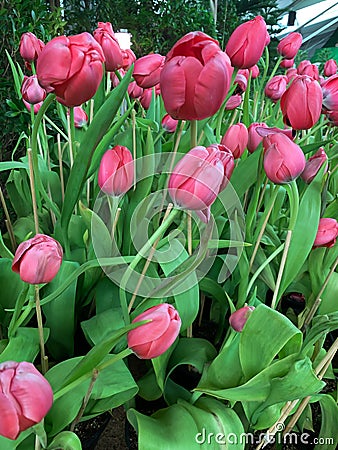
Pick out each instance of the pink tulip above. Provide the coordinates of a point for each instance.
(247, 42)
(30, 47)
(169, 124)
(236, 139)
(128, 58)
(242, 83)
(301, 66)
(333, 117)
(105, 36)
(239, 318)
(25, 397)
(313, 165)
(330, 67)
(38, 259)
(287, 64)
(288, 47)
(311, 70)
(31, 91)
(291, 74)
(134, 90)
(276, 87)
(71, 67)
(147, 95)
(254, 71)
(195, 78)
(265, 131)
(199, 177)
(330, 93)
(154, 338)
(254, 139)
(36, 107)
(233, 102)
(116, 171)
(80, 117)
(327, 233)
(283, 159)
(301, 103)
(115, 80)
(147, 70)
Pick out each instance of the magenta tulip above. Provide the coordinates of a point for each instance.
(36, 107)
(291, 74)
(195, 78)
(236, 139)
(254, 139)
(301, 103)
(276, 87)
(25, 397)
(301, 66)
(327, 233)
(80, 117)
(311, 70)
(116, 171)
(105, 36)
(147, 95)
(147, 70)
(233, 102)
(330, 93)
(154, 338)
(330, 67)
(71, 67)
(242, 83)
(288, 47)
(239, 318)
(313, 165)
(169, 124)
(283, 159)
(287, 63)
(30, 47)
(31, 91)
(128, 58)
(254, 70)
(332, 117)
(134, 90)
(247, 42)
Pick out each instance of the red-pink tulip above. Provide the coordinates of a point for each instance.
(301, 66)
(254, 139)
(247, 42)
(30, 47)
(313, 165)
(265, 131)
(38, 259)
(327, 233)
(200, 176)
(239, 318)
(330, 67)
(287, 63)
(288, 47)
(134, 90)
(242, 83)
(301, 103)
(116, 171)
(233, 102)
(36, 107)
(254, 71)
(115, 80)
(105, 36)
(152, 339)
(31, 91)
(80, 117)
(169, 124)
(283, 159)
(195, 78)
(330, 93)
(311, 70)
(128, 58)
(25, 397)
(147, 70)
(71, 67)
(291, 74)
(333, 117)
(276, 87)
(236, 139)
(147, 95)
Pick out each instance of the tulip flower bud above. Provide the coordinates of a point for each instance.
(36, 108)
(116, 171)
(283, 159)
(80, 117)
(31, 91)
(38, 260)
(236, 139)
(199, 177)
(302, 65)
(169, 124)
(291, 74)
(333, 117)
(276, 87)
(147, 70)
(330, 93)
(330, 68)
(147, 95)
(254, 71)
(288, 47)
(247, 42)
(154, 338)
(311, 70)
(115, 79)
(30, 47)
(327, 233)
(105, 36)
(239, 318)
(233, 102)
(265, 131)
(313, 165)
(254, 139)
(287, 63)
(242, 83)
(301, 103)
(25, 397)
(134, 90)
(128, 58)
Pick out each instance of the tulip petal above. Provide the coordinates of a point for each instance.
(173, 78)
(9, 423)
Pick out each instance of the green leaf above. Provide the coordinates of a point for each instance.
(328, 437)
(23, 346)
(66, 440)
(14, 286)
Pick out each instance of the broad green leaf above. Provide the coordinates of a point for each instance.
(23, 346)
(328, 436)
(321, 325)
(66, 440)
(14, 286)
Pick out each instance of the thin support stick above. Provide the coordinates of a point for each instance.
(85, 400)
(32, 185)
(281, 269)
(44, 359)
(62, 181)
(8, 221)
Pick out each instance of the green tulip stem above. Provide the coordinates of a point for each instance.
(44, 358)
(40, 435)
(71, 131)
(274, 70)
(33, 191)
(15, 320)
(219, 115)
(193, 133)
(293, 195)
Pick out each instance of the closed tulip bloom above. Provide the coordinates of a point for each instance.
(147, 95)
(333, 117)
(152, 339)
(301, 103)
(287, 63)
(116, 171)
(38, 259)
(25, 397)
(313, 165)
(30, 47)
(254, 139)
(169, 124)
(134, 90)
(330, 93)
(236, 139)
(115, 79)
(327, 233)
(265, 131)
(247, 42)
(31, 91)
(195, 78)
(330, 67)
(311, 70)
(288, 47)
(239, 318)
(284, 160)
(105, 36)
(242, 83)
(254, 71)
(276, 87)
(233, 102)
(291, 74)
(36, 107)
(147, 70)
(301, 66)
(128, 58)
(80, 117)
(71, 67)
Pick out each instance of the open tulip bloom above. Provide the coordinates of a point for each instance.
(170, 238)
